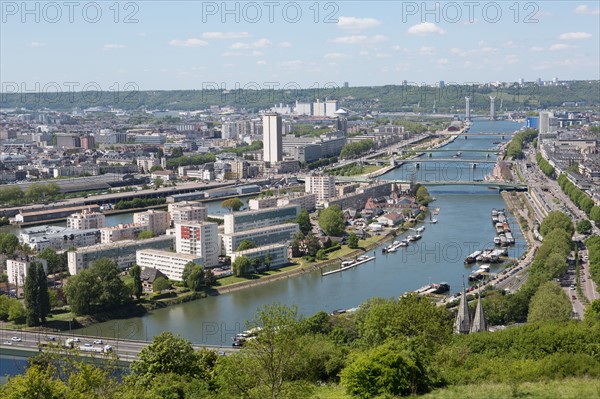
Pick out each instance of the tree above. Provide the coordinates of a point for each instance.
(550, 303)
(556, 220)
(170, 353)
(158, 182)
(386, 371)
(353, 240)
(303, 220)
(56, 263)
(241, 266)
(144, 235)
(267, 262)
(595, 214)
(160, 284)
(187, 270)
(312, 244)
(136, 273)
(246, 244)
(32, 296)
(96, 289)
(155, 168)
(331, 220)
(8, 243)
(44, 295)
(232, 204)
(584, 226)
(195, 281)
(423, 197)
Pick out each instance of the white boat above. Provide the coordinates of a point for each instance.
(403, 243)
(396, 243)
(391, 249)
(433, 221)
(496, 240)
(411, 238)
(420, 229)
(347, 263)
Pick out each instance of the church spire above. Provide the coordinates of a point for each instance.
(479, 322)
(462, 324)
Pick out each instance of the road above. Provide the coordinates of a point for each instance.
(126, 350)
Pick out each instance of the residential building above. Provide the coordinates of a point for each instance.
(146, 163)
(255, 219)
(198, 238)
(16, 269)
(303, 200)
(272, 138)
(122, 252)
(58, 238)
(262, 203)
(281, 233)
(171, 264)
(278, 253)
(120, 232)
(148, 276)
(157, 221)
(322, 186)
(86, 220)
(187, 211)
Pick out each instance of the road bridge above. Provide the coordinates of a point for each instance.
(508, 186)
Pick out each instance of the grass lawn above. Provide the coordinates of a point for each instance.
(229, 280)
(571, 388)
(371, 168)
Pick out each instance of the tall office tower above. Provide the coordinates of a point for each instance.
(272, 138)
(198, 238)
(467, 108)
(492, 108)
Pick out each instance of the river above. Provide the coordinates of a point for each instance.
(464, 225)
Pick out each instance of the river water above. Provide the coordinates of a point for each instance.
(464, 225)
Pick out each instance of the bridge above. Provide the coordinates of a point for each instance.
(447, 160)
(508, 186)
(463, 151)
(477, 134)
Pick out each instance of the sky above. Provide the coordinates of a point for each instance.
(160, 45)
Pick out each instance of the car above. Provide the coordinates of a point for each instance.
(572, 287)
(75, 339)
(15, 339)
(98, 342)
(573, 297)
(87, 344)
(51, 338)
(8, 343)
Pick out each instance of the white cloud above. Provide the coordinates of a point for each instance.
(285, 44)
(397, 48)
(192, 42)
(261, 62)
(425, 28)
(260, 43)
(359, 39)
(336, 56)
(225, 35)
(363, 53)
(36, 44)
(294, 64)
(113, 46)
(353, 23)
(142, 34)
(254, 53)
(559, 47)
(510, 59)
(575, 36)
(402, 67)
(510, 44)
(443, 61)
(584, 9)
(536, 49)
(424, 50)
(383, 55)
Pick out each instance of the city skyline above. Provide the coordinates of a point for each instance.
(196, 45)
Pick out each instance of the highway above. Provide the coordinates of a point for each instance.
(126, 350)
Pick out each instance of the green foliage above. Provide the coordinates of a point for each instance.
(11, 309)
(595, 214)
(545, 167)
(386, 371)
(583, 226)
(550, 303)
(351, 169)
(515, 147)
(579, 198)
(136, 272)
(144, 235)
(241, 266)
(190, 160)
(356, 149)
(37, 299)
(556, 220)
(232, 204)
(353, 240)
(303, 220)
(96, 289)
(255, 146)
(10, 194)
(593, 247)
(195, 280)
(322, 162)
(140, 203)
(171, 354)
(246, 244)
(155, 168)
(56, 263)
(8, 243)
(160, 284)
(37, 191)
(423, 196)
(158, 182)
(331, 220)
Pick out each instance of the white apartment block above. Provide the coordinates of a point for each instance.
(272, 138)
(146, 163)
(58, 238)
(322, 186)
(121, 232)
(86, 220)
(16, 269)
(262, 203)
(282, 233)
(255, 219)
(169, 263)
(157, 221)
(122, 252)
(277, 252)
(187, 211)
(198, 238)
(303, 200)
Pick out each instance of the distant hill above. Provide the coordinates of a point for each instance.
(449, 99)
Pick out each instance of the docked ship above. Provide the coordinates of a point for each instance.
(433, 289)
(472, 258)
(480, 273)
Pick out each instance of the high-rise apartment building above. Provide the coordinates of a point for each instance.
(86, 220)
(322, 186)
(157, 221)
(198, 238)
(272, 138)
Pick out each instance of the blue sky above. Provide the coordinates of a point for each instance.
(192, 44)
